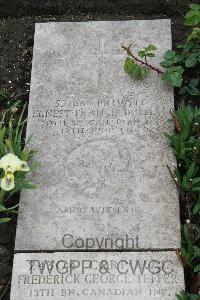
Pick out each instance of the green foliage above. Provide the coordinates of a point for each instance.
(191, 88)
(183, 63)
(8, 101)
(11, 141)
(135, 70)
(170, 58)
(192, 17)
(8, 211)
(181, 66)
(147, 51)
(189, 251)
(185, 142)
(185, 296)
(174, 75)
(194, 35)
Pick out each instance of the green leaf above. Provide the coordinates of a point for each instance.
(190, 171)
(185, 232)
(194, 35)
(128, 65)
(150, 55)
(197, 268)
(4, 220)
(196, 208)
(191, 88)
(194, 83)
(194, 6)
(136, 71)
(150, 48)
(35, 166)
(195, 181)
(192, 18)
(176, 79)
(194, 91)
(21, 183)
(182, 296)
(4, 209)
(167, 63)
(2, 133)
(170, 54)
(142, 53)
(191, 60)
(174, 75)
(194, 297)
(197, 251)
(196, 189)
(183, 90)
(29, 185)
(144, 72)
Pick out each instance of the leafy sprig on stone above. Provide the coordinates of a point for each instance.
(137, 65)
(181, 66)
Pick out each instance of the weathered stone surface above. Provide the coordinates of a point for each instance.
(100, 140)
(100, 276)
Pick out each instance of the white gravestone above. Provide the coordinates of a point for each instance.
(103, 183)
(101, 143)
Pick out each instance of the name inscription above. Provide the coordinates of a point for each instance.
(86, 277)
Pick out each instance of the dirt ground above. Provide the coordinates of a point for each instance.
(16, 45)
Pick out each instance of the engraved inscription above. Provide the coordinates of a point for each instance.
(144, 275)
(120, 116)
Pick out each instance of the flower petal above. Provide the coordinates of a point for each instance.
(7, 182)
(12, 161)
(23, 166)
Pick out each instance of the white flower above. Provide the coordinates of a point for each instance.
(10, 163)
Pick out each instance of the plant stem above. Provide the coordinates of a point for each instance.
(176, 122)
(127, 49)
(176, 182)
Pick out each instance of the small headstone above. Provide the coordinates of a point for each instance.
(99, 276)
(101, 143)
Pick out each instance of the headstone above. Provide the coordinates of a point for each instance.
(97, 276)
(101, 143)
(103, 184)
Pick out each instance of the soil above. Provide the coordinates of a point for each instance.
(16, 47)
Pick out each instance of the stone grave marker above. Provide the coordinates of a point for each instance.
(101, 142)
(103, 184)
(97, 276)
